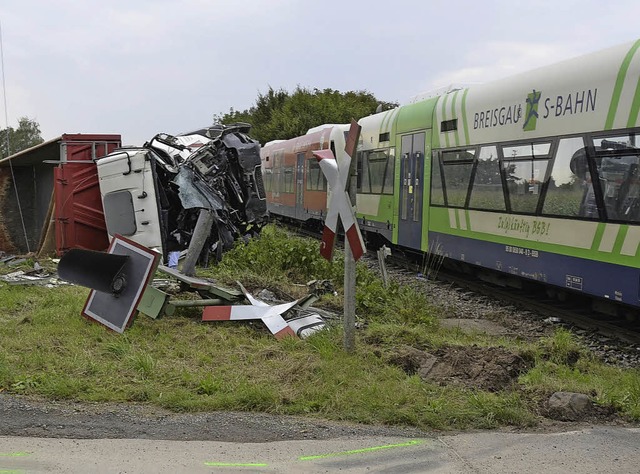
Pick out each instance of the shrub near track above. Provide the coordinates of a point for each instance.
(178, 362)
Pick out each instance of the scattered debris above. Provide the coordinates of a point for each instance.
(272, 316)
(552, 320)
(306, 324)
(119, 282)
(37, 276)
(117, 278)
(321, 287)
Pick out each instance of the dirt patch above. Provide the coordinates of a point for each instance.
(486, 368)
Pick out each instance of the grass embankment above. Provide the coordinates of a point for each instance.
(48, 349)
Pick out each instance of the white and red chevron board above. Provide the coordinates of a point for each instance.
(270, 315)
(339, 206)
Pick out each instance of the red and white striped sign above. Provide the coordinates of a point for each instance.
(270, 315)
(339, 206)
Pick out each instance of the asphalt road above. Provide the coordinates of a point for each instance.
(593, 450)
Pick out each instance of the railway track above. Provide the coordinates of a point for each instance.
(575, 312)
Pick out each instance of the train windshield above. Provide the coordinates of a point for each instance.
(616, 160)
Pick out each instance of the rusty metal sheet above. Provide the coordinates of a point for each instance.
(79, 218)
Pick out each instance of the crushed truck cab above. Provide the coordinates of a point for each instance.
(154, 194)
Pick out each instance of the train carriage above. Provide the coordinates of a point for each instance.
(534, 176)
(294, 184)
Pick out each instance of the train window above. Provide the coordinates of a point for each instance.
(525, 170)
(278, 177)
(458, 155)
(376, 171)
(277, 181)
(437, 190)
(457, 166)
(288, 180)
(267, 176)
(526, 151)
(359, 172)
(486, 192)
(617, 160)
(315, 177)
(569, 190)
(390, 172)
(448, 125)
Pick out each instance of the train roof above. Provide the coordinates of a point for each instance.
(320, 134)
(327, 125)
(595, 92)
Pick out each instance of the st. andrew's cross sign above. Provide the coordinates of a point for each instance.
(339, 204)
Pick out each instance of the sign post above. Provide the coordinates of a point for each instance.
(342, 204)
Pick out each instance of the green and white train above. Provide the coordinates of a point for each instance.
(535, 176)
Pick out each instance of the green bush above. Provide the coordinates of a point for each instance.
(277, 254)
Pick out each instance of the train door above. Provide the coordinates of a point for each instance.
(300, 213)
(411, 190)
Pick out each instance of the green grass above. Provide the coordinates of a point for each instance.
(183, 364)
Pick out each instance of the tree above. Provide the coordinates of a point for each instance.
(25, 136)
(280, 115)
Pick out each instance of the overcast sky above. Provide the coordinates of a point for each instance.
(141, 67)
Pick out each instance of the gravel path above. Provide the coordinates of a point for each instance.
(26, 416)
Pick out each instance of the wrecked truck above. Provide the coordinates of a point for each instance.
(194, 193)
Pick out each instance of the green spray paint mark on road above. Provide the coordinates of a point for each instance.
(235, 464)
(14, 455)
(11, 471)
(359, 451)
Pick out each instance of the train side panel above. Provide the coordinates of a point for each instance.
(537, 175)
(589, 257)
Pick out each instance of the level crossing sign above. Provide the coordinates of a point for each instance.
(339, 205)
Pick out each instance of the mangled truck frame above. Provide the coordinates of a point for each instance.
(197, 191)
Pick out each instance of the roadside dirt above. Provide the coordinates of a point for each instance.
(486, 368)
